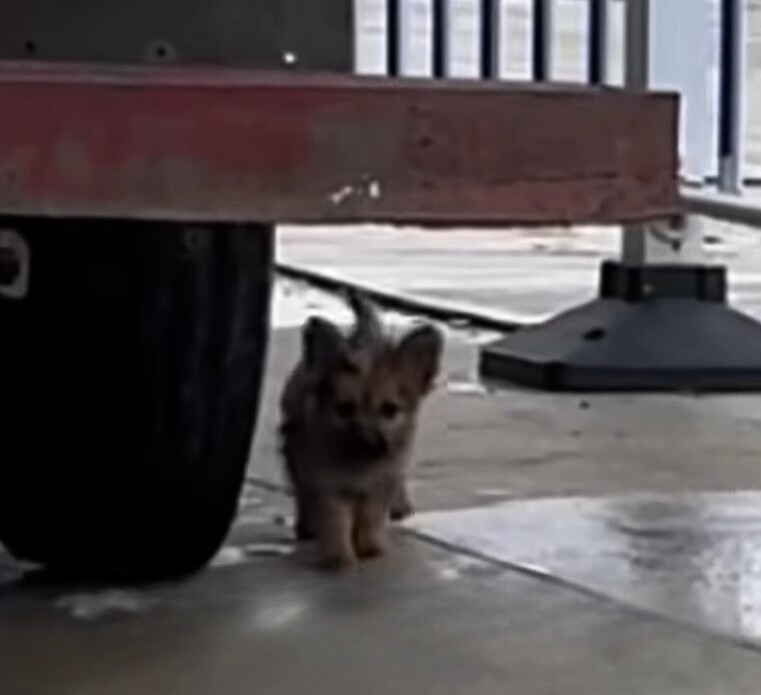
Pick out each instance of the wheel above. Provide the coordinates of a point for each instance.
(130, 374)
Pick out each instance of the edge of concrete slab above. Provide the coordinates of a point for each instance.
(545, 577)
(448, 312)
(551, 579)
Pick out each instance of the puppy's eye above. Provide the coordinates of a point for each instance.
(345, 409)
(389, 410)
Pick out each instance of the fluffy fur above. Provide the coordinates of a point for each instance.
(348, 418)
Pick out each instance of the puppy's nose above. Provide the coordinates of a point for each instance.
(369, 442)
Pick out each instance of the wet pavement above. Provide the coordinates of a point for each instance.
(693, 558)
(562, 545)
(419, 622)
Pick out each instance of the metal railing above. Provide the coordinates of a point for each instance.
(731, 40)
(636, 55)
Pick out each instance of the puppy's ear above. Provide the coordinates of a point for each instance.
(323, 345)
(419, 357)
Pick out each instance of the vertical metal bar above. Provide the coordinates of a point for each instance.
(636, 76)
(491, 16)
(637, 44)
(440, 38)
(597, 59)
(730, 94)
(541, 56)
(393, 38)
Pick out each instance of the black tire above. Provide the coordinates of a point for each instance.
(130, 378)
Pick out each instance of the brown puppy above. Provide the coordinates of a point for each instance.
(348, 419)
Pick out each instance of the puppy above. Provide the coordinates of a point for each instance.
(348, 418)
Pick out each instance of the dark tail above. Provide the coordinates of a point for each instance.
(368, 329)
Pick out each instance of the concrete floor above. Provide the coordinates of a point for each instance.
(547, 607)
(518, 274)
(272, 625)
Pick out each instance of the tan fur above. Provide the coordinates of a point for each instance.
(348, 419)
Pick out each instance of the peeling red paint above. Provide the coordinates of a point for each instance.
(202, 144)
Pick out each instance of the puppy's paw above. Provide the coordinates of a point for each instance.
(401, 510)
(338, 563)
(369, 545)
(370, 551)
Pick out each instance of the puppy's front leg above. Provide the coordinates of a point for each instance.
(305, 514)
(334, 533)
(401, 506)
(369, 529)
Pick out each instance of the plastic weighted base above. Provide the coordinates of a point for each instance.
(653, 329)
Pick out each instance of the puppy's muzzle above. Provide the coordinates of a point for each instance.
(365, 444)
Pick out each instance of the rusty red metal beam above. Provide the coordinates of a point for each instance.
(221, 145)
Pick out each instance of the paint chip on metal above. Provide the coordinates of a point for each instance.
(339, 196)
(374, 190)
